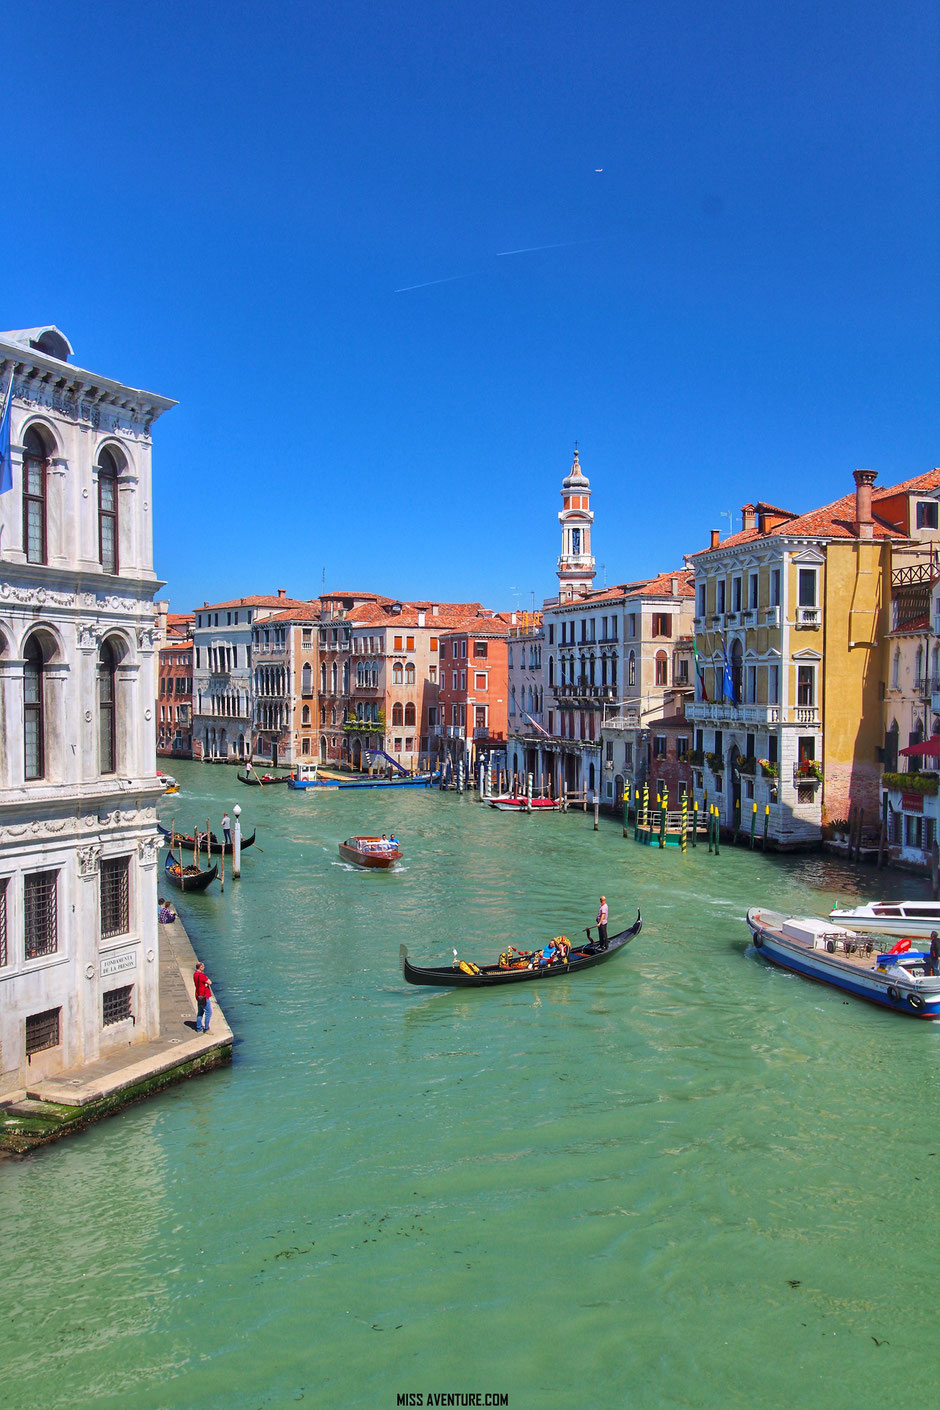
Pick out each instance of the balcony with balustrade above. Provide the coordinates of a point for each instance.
(729, 714)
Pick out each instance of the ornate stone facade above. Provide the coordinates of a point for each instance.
(78, 839)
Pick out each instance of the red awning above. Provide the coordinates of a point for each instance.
(929, 749)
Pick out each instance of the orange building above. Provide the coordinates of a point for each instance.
(175, 688)
(474, 688)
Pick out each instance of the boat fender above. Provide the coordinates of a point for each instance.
(831, 946)
(894, 994)
(758, 940)
(916, 1001)
(900, 948)
(468, 967)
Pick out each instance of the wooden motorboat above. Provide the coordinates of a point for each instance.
(187, 842)
(370, 851)
(188, 878)
(517, 966)
(262, 780)
(848, 960)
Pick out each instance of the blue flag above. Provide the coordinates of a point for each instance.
(6, 457)
(728, 682)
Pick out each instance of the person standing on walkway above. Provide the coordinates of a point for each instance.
(203, 998)
(602, 924)
(227, 829)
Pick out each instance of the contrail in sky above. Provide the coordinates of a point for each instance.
(563, 245)
(449, 280)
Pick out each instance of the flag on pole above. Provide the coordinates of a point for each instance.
(699, 670)
(6, 456)
(728, 676)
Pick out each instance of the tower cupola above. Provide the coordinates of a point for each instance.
(576, 564)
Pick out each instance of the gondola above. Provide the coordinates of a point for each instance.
(190, 878)
(188, 843)
(262, 780)
(583, 956)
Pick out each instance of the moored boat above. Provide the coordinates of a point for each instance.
(519, 803)
(517, 966)
(187, 842)
(189, 878)
(910, 918)
(262, 780)
(370, 851)
(848, 960)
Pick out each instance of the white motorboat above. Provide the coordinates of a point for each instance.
(835, 955)
(912, 918)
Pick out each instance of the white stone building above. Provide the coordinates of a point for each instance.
(79, 968)
(223, 682)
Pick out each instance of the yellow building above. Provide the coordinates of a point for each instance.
(792, 622)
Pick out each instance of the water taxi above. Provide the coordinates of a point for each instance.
(370, 851)
(913, 918)
(896, 979)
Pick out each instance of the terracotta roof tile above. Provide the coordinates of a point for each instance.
(251, 602)
(835, 520)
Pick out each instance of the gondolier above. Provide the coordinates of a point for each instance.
(602, 916)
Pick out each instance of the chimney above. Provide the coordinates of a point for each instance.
(282, 592)
(748, 517)
(864, 524)
(716, 535)
(674, 583)
(421, 619)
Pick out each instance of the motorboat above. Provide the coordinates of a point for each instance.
(896, 979)
(913, 918)
(370, 851)
(520, 803)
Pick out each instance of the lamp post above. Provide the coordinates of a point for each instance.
(236, 844)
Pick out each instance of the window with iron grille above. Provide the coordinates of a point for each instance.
(116, 1004)
(4, 959)
(114, 897)
(42, 1031)
(40, 913)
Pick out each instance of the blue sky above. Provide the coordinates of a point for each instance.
(219, 203)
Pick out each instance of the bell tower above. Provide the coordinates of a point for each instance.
(576, 564)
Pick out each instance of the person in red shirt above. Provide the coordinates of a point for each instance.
(203, 998)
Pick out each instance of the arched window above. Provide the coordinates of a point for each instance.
(333, 678)
(323, 677)
(397, 714)
(410, 673)
(305, 715)
(409, 713)
(35, 465)
(631, 668)
(551, 670)
(306, 679)
(662, 668)
(896, 669)
(108, 512)
(397, 673)
(33, 713)
(106, 733)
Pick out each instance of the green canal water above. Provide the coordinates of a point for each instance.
(682, 1179)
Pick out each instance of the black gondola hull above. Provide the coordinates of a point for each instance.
(189, 879)
(188, 844)
(582, 957)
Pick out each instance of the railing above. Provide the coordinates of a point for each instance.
(803, 774)
(455, 731)
(771, 616)
(808, 616)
